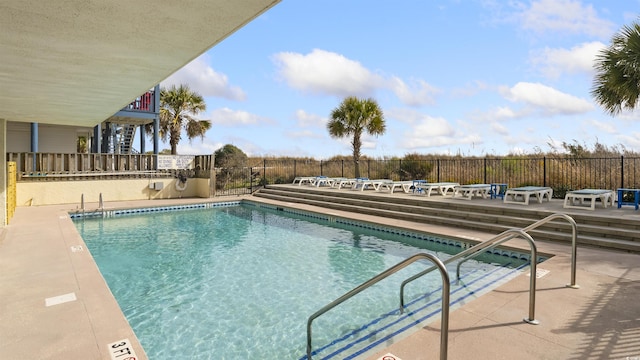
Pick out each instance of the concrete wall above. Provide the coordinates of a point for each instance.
(70, 192)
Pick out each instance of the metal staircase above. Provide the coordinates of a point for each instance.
(125, 136)
(118, 139)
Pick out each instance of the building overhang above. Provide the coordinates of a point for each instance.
(79, 62)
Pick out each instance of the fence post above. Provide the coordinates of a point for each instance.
(264, 171)
(294, 168)
(621, 171)
(320, 167)
(437, 170)
(342, 167)
(251, 180)
(544, 171)
(485, 170)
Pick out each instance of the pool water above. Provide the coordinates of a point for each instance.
(240, 282)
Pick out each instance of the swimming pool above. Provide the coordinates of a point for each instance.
(239, 282)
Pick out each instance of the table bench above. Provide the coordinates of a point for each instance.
(576, 199)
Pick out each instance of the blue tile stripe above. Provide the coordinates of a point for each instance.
(120, 212)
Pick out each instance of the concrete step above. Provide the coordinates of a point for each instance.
(592, 230)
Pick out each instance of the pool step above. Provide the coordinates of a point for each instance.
(492, 218)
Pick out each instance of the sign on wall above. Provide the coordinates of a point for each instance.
(166, 162)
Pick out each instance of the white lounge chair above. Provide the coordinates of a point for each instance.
(521, 195)
(405, 186)
(442, 188)
(322, 181)
(344, 183)
(576, 199)
(303, 180)
(362, 184)
(467, 192)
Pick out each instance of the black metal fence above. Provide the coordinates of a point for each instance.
(562, 174)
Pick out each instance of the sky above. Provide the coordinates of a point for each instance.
(455, 77)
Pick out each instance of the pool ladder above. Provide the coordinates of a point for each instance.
(100, 204)
(464, 255)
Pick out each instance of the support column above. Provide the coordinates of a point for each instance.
(3, 173)
(142, 139)
(156, 123)
(156, 136)
(34, 137)
(96, 144)
(156, 120)
(106, 138)
(34, 144)
(156, 141)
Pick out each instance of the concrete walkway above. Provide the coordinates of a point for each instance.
(56, 305)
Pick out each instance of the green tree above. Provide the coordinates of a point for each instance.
(81, 146)
(616, 85)
(414, 166)
(229, 156)
(353, 117)
(178, 108)
(231, 162)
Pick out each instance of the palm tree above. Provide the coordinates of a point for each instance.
(616, 85)
(353, 117)
(178, 106)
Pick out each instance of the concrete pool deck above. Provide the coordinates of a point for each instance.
(56, 305)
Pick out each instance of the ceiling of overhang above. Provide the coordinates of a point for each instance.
(77, 62)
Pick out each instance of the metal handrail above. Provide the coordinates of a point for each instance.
(537, 224)
(503, 237)
(444, 322)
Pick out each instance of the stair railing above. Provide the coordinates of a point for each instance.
(444, 322)
(539, 223)
(503, 237)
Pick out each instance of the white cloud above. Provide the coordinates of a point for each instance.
(629, 116)
(503, 112)
(405, 115)
(546, 99)
(309, 120)
(631, 141)
(197, 146)
(580, 59)
(434, 132)
(564, 16)
(470, 89)
(324, 72)
(304, 134)
(500, 113)
(419, 93)
(499, 128)
(202, 79)
(228, 117)
(432, 126)
(329, 73)
(607, 127)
